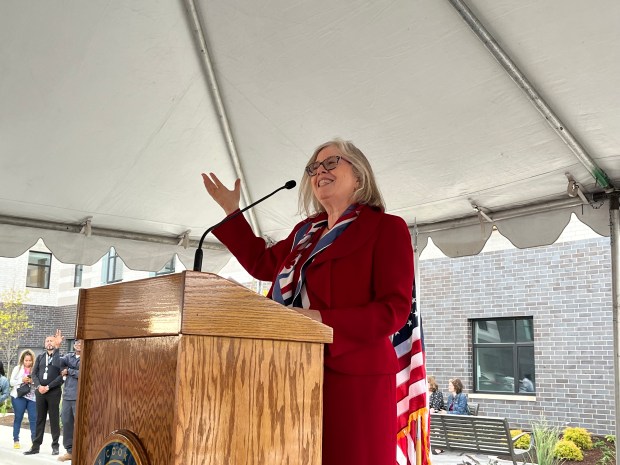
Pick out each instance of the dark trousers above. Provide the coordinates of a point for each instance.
(68, 419)
(48, 403)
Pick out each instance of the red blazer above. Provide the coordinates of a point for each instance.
(361, 284)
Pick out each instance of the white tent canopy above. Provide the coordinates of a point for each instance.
(110, 111)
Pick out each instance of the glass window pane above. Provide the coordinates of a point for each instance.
(114, 267)
(525, 330)
(494, 331)
(495, 369)
(45, 279)
(527, 375)
(77, 277)
(118, 269)
(167, 269)
(32, 277)
(38, 272)
(38, 276)
(39, 258)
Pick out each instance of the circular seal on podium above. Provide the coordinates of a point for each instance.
(122, 447)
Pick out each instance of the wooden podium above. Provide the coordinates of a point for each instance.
(201, 371)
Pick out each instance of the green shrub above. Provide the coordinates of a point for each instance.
(545, 439)
(580, 436)
(523, 442)
(608, 450)
(7, 406)
(568, 450)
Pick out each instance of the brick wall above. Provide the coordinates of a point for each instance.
(45, 320)
(566, 288)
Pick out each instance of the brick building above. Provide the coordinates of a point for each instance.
(563, 293)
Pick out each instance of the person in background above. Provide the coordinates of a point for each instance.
(70, 366)
(5, 388)
(526, 385)
(435, 400)
(21, 374)
(348, 265)
(457, 399)
(47, 381)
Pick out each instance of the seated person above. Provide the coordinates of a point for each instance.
(457, 399)
(435, 402)
(526, 385)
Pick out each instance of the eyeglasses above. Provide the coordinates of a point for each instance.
(329, 164)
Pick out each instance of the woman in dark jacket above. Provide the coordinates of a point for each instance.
(435, 402)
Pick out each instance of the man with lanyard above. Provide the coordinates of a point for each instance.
(70, 366)
(47, 380)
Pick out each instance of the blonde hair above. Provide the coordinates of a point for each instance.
(368, 193)
(432, 384)
(22, 356)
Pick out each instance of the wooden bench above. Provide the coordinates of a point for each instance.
(473, 408)
(487, 435)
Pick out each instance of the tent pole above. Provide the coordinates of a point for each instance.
(214, 89)
(614, 224)
(534, 97)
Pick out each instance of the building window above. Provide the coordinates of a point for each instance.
(504, 355)
(167, 269)
(112, 269)
(39, 266)
(77, 276)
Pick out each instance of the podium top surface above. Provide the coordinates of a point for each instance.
(190, 303)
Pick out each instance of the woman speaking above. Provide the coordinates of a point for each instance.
(349, 265)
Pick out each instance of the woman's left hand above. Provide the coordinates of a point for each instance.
(314, 314)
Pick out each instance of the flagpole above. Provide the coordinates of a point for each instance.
(416, 263)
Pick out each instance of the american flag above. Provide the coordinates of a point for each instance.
(413, 446)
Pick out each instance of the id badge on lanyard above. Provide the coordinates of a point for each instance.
(48, 360)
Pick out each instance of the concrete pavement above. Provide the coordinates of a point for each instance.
(10, 456)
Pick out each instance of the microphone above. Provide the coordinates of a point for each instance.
(198, 256)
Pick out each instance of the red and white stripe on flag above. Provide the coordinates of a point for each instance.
(413, 445)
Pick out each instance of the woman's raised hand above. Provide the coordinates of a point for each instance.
(226, 198)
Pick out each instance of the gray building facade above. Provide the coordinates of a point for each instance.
(566, 289)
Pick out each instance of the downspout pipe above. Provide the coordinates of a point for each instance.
(614, 225)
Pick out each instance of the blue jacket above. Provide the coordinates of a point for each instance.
(71, 362)
(457, 404)
(5, 389)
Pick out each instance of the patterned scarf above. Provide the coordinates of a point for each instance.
(289, 288)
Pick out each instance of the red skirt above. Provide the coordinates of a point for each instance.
(359, 419)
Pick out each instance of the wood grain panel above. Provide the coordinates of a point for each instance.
(218, 307)
(147, 307)
(127, 384)
(248, 402)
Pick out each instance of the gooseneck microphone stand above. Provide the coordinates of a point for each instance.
(198, 255)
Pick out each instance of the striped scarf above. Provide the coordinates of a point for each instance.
(289, 288)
